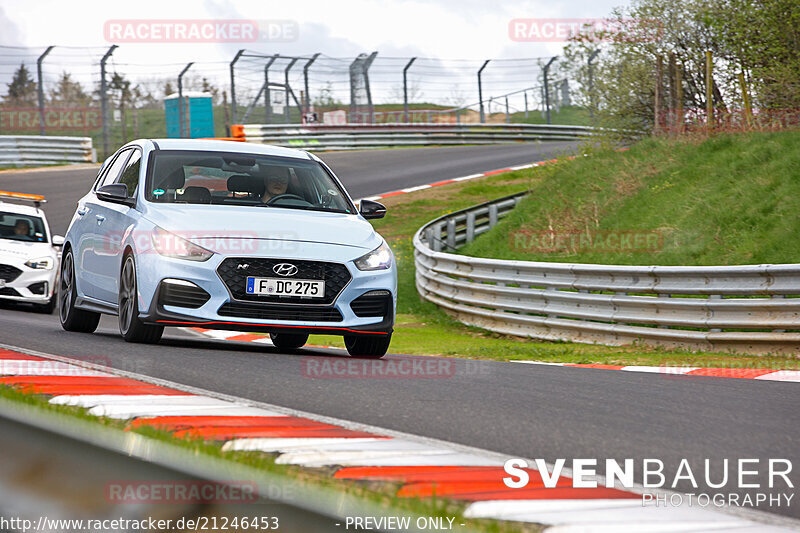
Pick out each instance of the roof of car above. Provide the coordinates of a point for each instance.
(213, 145)
(20, 209)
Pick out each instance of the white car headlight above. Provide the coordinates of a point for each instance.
(170, 245)
(43, 263)
(378, 259)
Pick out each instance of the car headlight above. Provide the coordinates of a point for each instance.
(170, 245)
(378, 259)
(43, 263)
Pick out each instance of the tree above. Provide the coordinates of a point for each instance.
(68, 92)
(22, 89)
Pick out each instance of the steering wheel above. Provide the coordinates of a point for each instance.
(284, 197)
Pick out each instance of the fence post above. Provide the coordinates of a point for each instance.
(405, 88)
(508, 117)
(748, 110)
(267, 102)
(679, 97)
(104, 98)
(307, 102)
(525, 94)
(40, 88)
(480, 90)
(233, 85)
(709, 89)
(181, 113)
(657, 98)
(286, 109)
(547, 89)
(365, 70)
(592, 57)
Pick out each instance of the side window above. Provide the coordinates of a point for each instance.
(114, 168)
(130, 176)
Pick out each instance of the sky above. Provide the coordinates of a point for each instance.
(446, 29)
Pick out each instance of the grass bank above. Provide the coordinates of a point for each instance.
(685, 184)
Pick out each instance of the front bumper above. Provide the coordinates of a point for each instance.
(153, 269)
(31, 285)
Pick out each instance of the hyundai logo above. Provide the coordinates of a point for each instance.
(285, 269)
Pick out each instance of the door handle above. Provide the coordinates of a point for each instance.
(100, 218)
(82, 211)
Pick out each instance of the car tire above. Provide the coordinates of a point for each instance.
(368, 347)
(288, 341)
(131, 327)
(46, 309)
(72, 318)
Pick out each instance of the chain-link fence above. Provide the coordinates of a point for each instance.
(106, 94)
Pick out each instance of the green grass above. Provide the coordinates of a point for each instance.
(567, 115)
(607, 175)
(723, 200)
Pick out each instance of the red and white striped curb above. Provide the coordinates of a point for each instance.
(456, 180)
(422, 467)
(763, 374)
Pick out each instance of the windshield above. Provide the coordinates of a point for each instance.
(17, 227)
(197, 177)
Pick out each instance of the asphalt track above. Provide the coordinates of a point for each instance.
(526, 411)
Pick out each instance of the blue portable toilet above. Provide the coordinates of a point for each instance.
(199, 115)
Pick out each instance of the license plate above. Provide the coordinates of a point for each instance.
(307, 288)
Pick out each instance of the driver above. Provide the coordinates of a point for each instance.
(22, 228)
(274, 185)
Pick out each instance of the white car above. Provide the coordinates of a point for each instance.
(28, 253)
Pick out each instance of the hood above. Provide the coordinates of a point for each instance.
(25, 249)
(199, 223)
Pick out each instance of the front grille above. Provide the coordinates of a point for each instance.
(265, 311)
(182, 295)
(371, 305)
(336, 276)
(9, 273)
(38, 288)
(8, 291)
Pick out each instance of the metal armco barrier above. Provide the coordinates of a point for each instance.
(748, 309)
(27, 150)
(357, 137)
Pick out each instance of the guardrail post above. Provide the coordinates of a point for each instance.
(492, 215)
(233, 84)
(451, 234)
(104, 98)
(480, 91)
(267, 102)
(436, 244)
(181, 111)
(40, 88)
(405, 88)
(470, 226)
(547, 89)
(305, 81)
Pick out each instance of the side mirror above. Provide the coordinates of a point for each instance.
(115, 192)
(371, 210)
(58, 240)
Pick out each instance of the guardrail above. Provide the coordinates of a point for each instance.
(357, 136)
(26, 150)
(749, 309)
